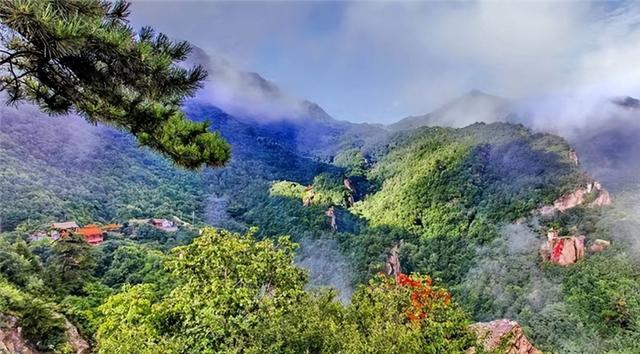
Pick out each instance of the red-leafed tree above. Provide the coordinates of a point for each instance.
(407, 314)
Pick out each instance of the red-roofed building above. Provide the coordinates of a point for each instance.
(92, 234)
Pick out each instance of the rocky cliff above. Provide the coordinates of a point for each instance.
(503, 336)
(599, 245)
(12, 340)
(593, 195)
(392, 265)
(78, 344)
(562, 250)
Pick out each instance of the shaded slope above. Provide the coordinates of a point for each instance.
(66, 168)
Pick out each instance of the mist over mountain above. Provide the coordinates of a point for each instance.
(149, 207)
(443, 194)
(475, 106)
(603, 131)
(252, 99)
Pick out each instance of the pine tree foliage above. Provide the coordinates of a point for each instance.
(81, 56)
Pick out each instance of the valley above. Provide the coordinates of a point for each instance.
(467, 181)
(471, 207)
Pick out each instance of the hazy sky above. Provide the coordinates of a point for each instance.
(381, 61)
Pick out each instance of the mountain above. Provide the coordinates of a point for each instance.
(609, 147)
(475, 106)
(604, 136)
(460, 204)
(252, 99)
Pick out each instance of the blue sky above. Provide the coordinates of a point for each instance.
(382, 61)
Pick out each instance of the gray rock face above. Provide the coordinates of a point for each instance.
(392, 266)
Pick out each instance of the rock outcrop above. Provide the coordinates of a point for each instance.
(573, 156)
(599, 245)
(593, 194)
(392, 265)
(308, 196)
(350, 192)
(348, 185)
(331, 214)
(562, 250)
(78, 344)
(11, 339)
(504, 336)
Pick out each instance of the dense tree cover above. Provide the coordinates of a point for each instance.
(67, 169)
(443, 195)
(604, 294)
(466, 183)
(28, 284)
(442, 191)
(82, 56)
(234, 294)
(45, 283)
(70, 170)
(223, 292)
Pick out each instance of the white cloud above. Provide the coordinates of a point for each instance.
(356, 57)
(445, 49)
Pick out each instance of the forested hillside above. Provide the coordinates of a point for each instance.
(67, 169)
(457, 204)
(150, 206)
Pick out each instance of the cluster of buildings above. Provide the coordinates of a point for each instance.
(94, 234)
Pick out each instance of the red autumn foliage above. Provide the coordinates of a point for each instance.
(423, 295)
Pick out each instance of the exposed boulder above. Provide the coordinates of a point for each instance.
(331, 214)
(562, 250)
(349, 200)
(350, 192)
(392, 265)
(603, 197)
(593, 194)
(308, 196)
(504, 336)
(11, 339)
(573, 156)
(78, 344)
(348, 184)
(599, 245)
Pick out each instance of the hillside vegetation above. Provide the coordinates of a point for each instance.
(457, 204)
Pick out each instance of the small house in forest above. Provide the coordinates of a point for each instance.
(164, 225)
(92, 234)
(61, 229)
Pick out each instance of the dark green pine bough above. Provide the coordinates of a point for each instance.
(82, 56)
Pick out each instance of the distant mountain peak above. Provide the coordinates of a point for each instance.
(474, 106)
(476, 92)
(627, 102)
(249, 95)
